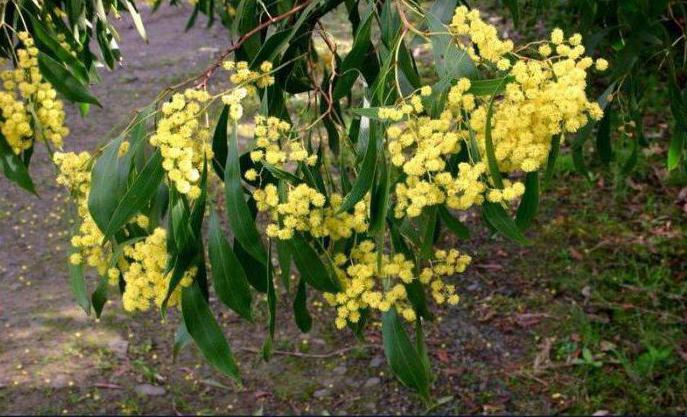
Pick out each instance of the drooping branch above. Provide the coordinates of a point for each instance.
(205, 76)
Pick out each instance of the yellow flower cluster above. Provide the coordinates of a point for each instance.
(145, 278)
(306, 210)
(242, 75)
(274, 144)
(367, 285)
(183, 140)
(25, 92)
(478, 38)
(546, 97)
(421, 146)
(75, 174)
(444, 265)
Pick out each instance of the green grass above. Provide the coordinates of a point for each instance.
(612, 264)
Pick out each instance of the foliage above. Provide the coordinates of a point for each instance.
(645, 41)
(353, 190)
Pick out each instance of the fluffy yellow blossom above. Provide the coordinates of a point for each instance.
(601, 64)
(373, 282)
(145, 278)
(23, 90)
(478, 38)
(306, 210)
(275, 145)
(184, 140)
(75, 174)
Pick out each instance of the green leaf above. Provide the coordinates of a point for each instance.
(300, 308)
(380, 199)
(109, 179)
(366, 174)
(450, 61)
(64, 81)
(530, 201)
(489, 87)
(415, 290)
(99, 296)
(403, 358)
(136, 17)
(219, 143)
(271, 309)
(255, 270)
(138, 195)
(675, 151)
(311, 267)
(47, 43)
(428, 227)
(77, 283)
(603, 138)
(497, 217)
(453, 224)
(229, 278)
(205, 331)
(551, 161)
(13, 167)
(354, 60)
(238, 213)
(514, 10)
(284, 259)
(181, 339)
(489, 147)
(180, 264)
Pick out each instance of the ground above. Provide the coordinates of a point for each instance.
(588, 318)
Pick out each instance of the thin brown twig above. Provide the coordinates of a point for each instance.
(205, 76)
(313, 355)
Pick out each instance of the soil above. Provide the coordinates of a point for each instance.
(56, 360)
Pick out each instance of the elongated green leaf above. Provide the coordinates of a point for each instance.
(136, 17)
(530, 201)
(551, 161)
(255, 270)
(415, 290)
(603, 138)
(181, 339)
(77, 283)
(311, 267)
(271, 308)
(48, 43)
(675, 151)
(284, 258)
(300, 308)
(238, 213)
(489, 87)
(109, 179)
(205, 331)
(64, 81)
(403, 358)
(138, 195)
(496, 216)
(219, 143)
(450, 61)
(13, 167)
(428, 228)
(366, 174)
(99, 296)
(180, 264)
(380, 199)
(489, 147)
(355, 58)
(229, 278)
(453, 224)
